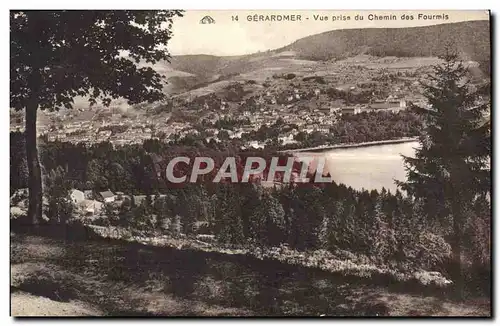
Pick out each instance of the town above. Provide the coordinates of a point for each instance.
(305, 103)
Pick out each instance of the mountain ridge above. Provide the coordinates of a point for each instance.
(470, 38)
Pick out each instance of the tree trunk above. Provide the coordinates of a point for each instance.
(34, 171)
(456, 248)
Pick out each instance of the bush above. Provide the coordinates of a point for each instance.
(431, 250)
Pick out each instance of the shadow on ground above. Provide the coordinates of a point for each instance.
(125, 279)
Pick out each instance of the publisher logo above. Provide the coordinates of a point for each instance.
(207, 20)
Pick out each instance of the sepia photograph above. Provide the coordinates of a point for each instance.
(250, 163)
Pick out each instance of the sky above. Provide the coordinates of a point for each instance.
(230, 37)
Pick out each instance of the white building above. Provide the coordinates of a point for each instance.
(77, 196)
(91, 207)
(107, 196)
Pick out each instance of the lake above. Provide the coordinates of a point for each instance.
(371, 167)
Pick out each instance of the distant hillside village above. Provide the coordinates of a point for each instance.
(89, 203)
(238, 109)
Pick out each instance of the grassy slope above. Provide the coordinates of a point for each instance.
(50, 277)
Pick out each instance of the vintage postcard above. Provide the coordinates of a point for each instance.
(250, 163)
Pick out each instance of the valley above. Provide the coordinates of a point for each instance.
(351, 72)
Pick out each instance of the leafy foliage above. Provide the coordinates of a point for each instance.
(82, 52)
(58, 55)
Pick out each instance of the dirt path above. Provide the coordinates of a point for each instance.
(25, 304)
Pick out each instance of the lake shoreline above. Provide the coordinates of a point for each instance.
(370, 165)
(353, 145)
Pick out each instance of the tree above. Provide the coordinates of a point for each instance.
(451, 167)
(96, 176)
(267, 222)
(382, 237)
(57, 55)
(340, 227)
(125, 214)
(324, 233)
(228, 224)
(275, 222)
(60, 206)
(189, 207)
(176, 226)
(110, 213)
